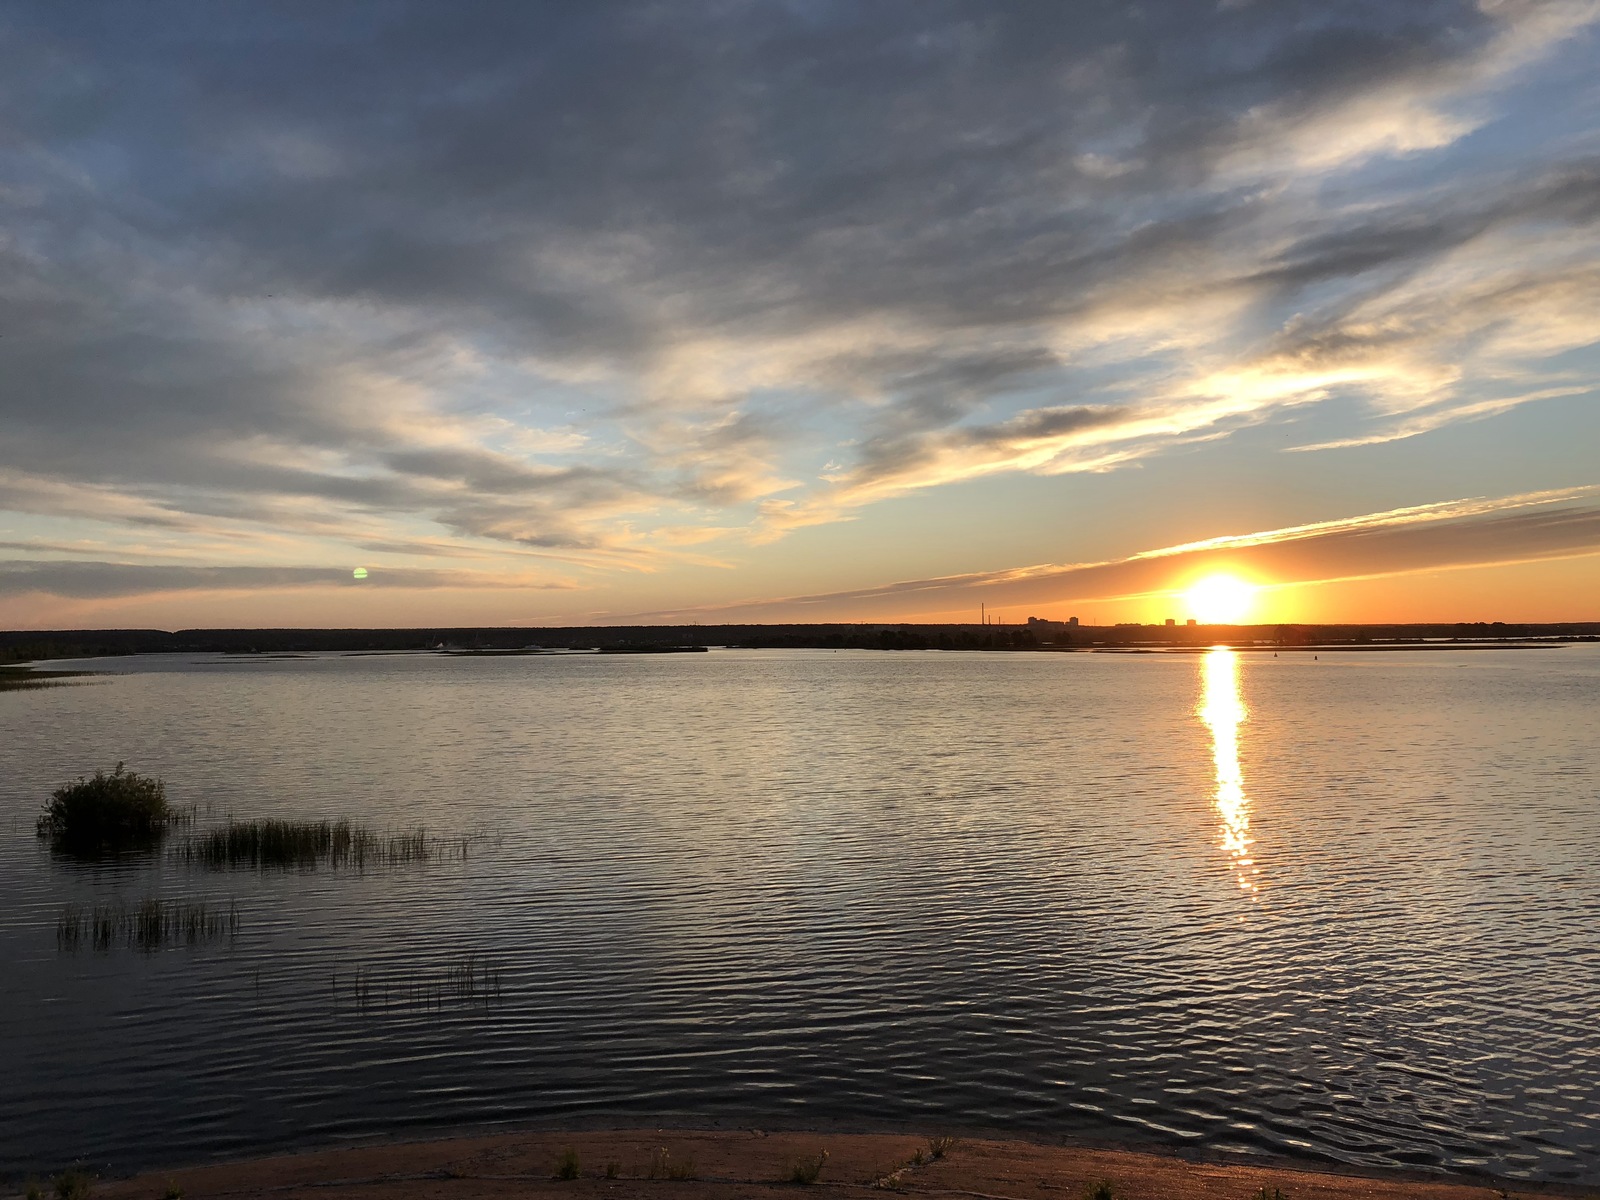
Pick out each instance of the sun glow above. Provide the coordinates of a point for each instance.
(1220, 599)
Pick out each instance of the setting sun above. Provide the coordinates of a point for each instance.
(1220, 600)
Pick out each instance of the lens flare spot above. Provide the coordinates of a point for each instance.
(359, 573)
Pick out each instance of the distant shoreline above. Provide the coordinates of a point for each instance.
(700, 1164)
(46, 645)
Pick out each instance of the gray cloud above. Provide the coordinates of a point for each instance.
(283, 268)
(88, 580)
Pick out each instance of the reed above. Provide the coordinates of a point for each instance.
(310, 844)
(15, 678)
(149, 925)
(108, 814)
(470, 982)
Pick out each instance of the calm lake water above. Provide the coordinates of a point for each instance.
(1345, 908)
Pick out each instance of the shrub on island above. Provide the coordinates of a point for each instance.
(107, 814)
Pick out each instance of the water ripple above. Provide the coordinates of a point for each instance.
(1345, 912)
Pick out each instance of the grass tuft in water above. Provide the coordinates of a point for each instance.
(469, 982)
(25, 679)
(149, 925)
(567, 1164)
(108, 814)
(309, 844)
(807, 1170)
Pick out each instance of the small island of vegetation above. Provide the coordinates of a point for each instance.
(108, 814)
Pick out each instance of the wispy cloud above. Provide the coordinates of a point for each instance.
(90, 580)
(1471, 532)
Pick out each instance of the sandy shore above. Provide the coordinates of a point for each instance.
(722, 1165)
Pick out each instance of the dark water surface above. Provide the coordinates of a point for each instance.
(1347, 908)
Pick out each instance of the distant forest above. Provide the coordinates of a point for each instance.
(32, 646)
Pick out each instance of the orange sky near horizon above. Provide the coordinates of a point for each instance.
(1549, 591)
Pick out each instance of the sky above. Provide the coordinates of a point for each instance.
(797, 310)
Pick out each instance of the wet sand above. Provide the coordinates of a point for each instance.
(724, 1165)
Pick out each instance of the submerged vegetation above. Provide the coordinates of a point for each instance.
(148, 925)
(21, 679)
(470, 982)
(309, 844)
(108, 814)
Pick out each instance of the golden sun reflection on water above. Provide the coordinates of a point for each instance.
(1222, 708)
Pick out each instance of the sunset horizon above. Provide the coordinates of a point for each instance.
(651, 330)
(695, 599)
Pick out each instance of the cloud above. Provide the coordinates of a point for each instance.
(87, 580)
(600, 283)
(1460, 533)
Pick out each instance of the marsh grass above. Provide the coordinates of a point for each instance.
(664, 1166)
(72, 1184)
(22, 679)
(149, 925)
(613, 1169)
(306, 845)
(567, 1164)
(1274, 1194)
(110, 814)
(470, 983)
(807, 1170)
(1100, 1189)
(938, 1147)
